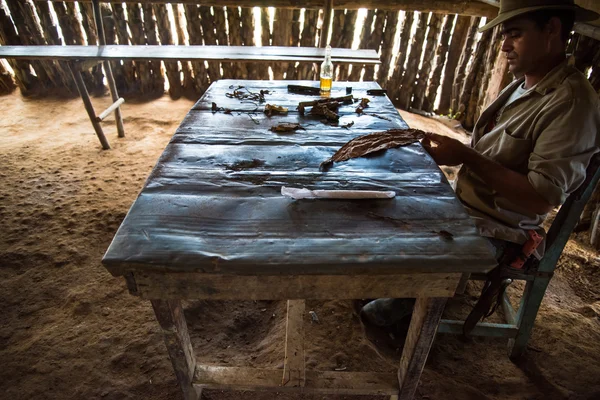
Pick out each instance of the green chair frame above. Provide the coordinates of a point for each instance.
(519, 323)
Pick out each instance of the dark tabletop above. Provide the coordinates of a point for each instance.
(213, 202)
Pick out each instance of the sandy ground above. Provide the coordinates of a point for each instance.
(69, 330)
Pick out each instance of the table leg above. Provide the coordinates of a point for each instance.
(421, 332)
(169, 314)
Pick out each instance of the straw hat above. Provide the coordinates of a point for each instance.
(512, 8)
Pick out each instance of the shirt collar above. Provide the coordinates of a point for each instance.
(553, 78)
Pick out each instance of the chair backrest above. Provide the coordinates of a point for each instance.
(568, 217)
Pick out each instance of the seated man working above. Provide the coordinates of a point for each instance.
(531, 147)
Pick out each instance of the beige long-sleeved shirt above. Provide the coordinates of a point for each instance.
(548, 134)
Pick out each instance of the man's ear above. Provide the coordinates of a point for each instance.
(554, 27)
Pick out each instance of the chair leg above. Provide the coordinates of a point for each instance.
(530, 304)
(462, 284)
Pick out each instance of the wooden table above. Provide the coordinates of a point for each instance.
(210, 223)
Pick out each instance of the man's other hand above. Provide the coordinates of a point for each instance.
(445, 150)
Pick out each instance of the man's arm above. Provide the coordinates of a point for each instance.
(508, 183)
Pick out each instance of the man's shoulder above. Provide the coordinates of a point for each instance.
(574, 87)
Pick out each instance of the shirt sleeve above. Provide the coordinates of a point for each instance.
(567, 138)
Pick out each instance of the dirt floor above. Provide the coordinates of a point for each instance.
(69, 330)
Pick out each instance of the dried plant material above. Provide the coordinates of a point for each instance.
(323, 110)
(367, 144)
(364, 103)
(271, 109)
(348, 125)
(286, 127)
(215, 108)
(242, 93)
(342, 100)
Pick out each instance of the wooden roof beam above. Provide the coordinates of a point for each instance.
(478, 8)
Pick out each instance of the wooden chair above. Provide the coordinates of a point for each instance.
(519, 323)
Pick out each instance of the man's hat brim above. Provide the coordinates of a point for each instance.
(581, 14)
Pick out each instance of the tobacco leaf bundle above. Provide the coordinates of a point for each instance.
(373, 142)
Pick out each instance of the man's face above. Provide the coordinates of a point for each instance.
(525, 45)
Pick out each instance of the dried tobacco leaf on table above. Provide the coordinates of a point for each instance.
(286, 127)
(367, 144)
(271, 109)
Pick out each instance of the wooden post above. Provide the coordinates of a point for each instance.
(131, 71)
(294, 373)
(435, 24)
(291, 72)
(459, 37)
(470, 92)
(166, 38)
(365, 35)
(27, 82)
(421, 332)
(89, 26)
(282, 32)
(327, 11)
(219, 18)
(487, 72)
(265, 39)
(7, 85)
(87, 103)
(210, 38)
(158, 80)
(247, 19)
(387, 46)
(375, 43)
(405, 34)
(188, 80)
(440, 60)
(461, 70)
(234, 22)
(107, 67)
(194, 23)
(169, 314)
(416, 49)
(110, 35)
(26, 37)
(309, 37)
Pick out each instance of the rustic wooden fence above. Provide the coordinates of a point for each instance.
(430, 61)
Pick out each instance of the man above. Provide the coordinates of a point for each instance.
(530, 148)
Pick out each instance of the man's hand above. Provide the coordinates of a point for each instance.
(445, 150)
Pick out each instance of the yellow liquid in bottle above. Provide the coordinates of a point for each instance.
(326, 84)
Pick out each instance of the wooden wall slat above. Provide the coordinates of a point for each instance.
(461, 70)
(265, 39)
(210, 38)
(440, 59)
(166, 38)
(247, 20)
(387, 46)
(89, 27)
(186, 67)
(309, 37)
(365, 35)
(291, 72)
(435, 25)
(416, 50)
(234, 22)
(375, 43)
(195, 34)
(459, 37)
(405, 35)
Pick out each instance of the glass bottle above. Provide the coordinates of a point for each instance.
(326, 71)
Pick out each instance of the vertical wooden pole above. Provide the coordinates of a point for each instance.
(440, 60)
(291, 72)
(387, 46)
(265, 39)
(309, 36)
(192, 13)
(294, 373)
(87, 103)
(169, 314)
(7, 85)
(375, 43)
(435, 24)
(109, 75)
(328, 10)
(459, 38)
(405, 34)
(282, 35)
(188, 80)
(158, 78)
(219, 20)
(166, 38)
(461, 69)
(210, 38)
(365, 35)
(131, 72)
(247, 16)
(89, 26)
(416, 49)
(234, 22)
(421, 332)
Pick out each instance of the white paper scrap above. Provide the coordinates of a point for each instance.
(303, 193)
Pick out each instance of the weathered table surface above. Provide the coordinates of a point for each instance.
(211, 223)
(213, 202)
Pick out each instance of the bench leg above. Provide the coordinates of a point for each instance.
(107, 68)
(87, 103)
(530, 304)
(421, 332)
(462, 284)
(169, 314)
